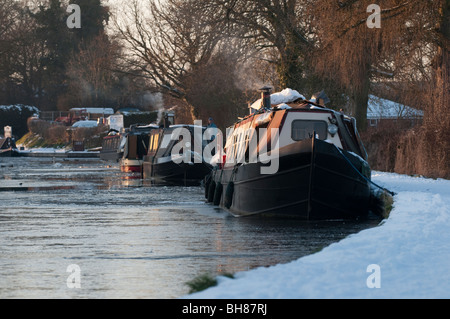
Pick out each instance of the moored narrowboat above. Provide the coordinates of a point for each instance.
(111, 150)
(135, 147)
(173, 159)
(292, 157)
(8, 147)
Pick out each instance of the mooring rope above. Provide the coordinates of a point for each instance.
(360, 174)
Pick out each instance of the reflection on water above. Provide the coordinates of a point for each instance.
(130, 238)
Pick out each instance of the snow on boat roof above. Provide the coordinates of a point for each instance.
(86, 123)
(186, 125)
(379, 108)
(285, 96)
(94, 110)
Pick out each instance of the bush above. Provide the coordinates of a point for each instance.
(422, 150)
(51, 134)
(91, 136)
(37, 126)
(56, 134)
(381, 144)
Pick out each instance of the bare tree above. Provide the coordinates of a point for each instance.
(8, 15)
(357, 55)
(166, 40)
(173, 43)
(21, 55)
(278, 28)
(438, 111)
(441, 62)
(91, 72)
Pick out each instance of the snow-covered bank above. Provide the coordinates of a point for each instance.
(407, 256)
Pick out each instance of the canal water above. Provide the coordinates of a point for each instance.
(80, 228)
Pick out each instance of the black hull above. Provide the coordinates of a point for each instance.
(9, 153)
(314, 181)
(179, 174)
(112, 156)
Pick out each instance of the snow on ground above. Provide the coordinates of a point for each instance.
(42, 149)
(406, 256)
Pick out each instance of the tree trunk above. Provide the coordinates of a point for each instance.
(437, 114)
(289, 68)
(442, 65)
(361, 98)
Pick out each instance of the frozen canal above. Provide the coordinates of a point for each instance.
(126, 238)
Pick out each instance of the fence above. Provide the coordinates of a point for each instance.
(52, 115)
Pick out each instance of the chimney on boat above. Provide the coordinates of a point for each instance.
(169, 119)
(320, 98)
(265, 97)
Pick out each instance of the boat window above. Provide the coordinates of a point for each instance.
(304, 129)
(150, 147)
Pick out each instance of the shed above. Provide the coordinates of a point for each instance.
(380, 110)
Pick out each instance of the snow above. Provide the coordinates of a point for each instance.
(86, 123)
(283, 106)
(285, 96)
(42, 150)
(19, 107)
(94, 110)
(406, 256)
(379, 108)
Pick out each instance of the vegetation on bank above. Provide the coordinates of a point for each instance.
(44, 134)
(204, 281)
(421, 150)
(33, 132)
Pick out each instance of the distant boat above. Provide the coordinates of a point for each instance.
(135, 147)
(111, 150)
(160, 164)
(8, 147)
(321, 169)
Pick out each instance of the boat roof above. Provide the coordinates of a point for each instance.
(187, 126)
(94, 110)
(302, 106)
(285, 96)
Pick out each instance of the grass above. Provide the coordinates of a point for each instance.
(381, 203)
(55, 137)
(388, 201)
(204, 281)
(31, 140)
